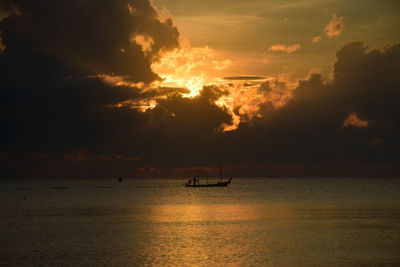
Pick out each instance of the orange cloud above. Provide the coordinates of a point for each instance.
(189, 67)
(288, 49)
(354, 120)
(335, 26)
(118, 81)
(146, 42)
(317, 38)
(244, 98)
(220, 65)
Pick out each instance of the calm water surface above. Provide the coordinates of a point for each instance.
(253, 222)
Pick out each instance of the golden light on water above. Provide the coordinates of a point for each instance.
(99, 106)
(203, 234)
(196, 212)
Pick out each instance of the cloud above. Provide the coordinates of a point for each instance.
(355, 121)
(145, 42)
(190, 67)
(62, 89)
(246, 93)
(334, 27)
(244, 78)
(220, 65)
(308, 128)
(72, 99)
(317, 38)
(102, 46)
(288, 49)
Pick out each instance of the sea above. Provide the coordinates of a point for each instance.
(160, 222)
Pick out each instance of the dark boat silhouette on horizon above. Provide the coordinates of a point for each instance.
(195, 182)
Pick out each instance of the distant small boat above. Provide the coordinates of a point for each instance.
(120, 179)
(195, 182)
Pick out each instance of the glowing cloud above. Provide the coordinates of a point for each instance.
(220, 65)
(244, 99)
(243, 95)
(118, 81)
(334, 27)
(146, 42)
(317, 38)
(288, 49)
(354, 120)
(189, 67)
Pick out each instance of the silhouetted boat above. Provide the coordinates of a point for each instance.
(195, 182)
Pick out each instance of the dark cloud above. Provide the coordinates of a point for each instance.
(51, 95)
(83, 37)
(165, 91)
(185, 131)
(59, 115)
(309, 129)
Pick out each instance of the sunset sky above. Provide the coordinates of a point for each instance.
(244, 32)
(170, 88)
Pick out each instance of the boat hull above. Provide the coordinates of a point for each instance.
(206, 185)
(210, 185)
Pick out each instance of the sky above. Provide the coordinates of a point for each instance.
(236, 29)
(98, 89)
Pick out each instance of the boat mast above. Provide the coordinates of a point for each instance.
(220, 172)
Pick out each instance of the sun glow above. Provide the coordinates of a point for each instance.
(193, 68)
(189, 67)
(187, 70)
(194, 84)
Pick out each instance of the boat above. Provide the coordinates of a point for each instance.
(195, 182)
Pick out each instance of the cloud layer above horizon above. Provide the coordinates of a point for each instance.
(77, 91)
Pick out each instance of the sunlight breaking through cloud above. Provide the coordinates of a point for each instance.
(189, 67)
(175, 67)
(193, 68)
(186, 71)
(244, 99)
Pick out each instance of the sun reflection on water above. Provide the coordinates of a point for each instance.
(204, 213)
(204, 235)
